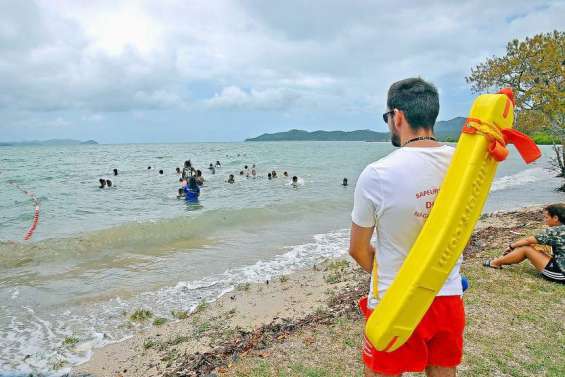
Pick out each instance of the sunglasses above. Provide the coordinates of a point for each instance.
(386, 115)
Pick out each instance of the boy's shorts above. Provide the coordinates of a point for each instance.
(546, 249)
(437, 340)
(552, 272)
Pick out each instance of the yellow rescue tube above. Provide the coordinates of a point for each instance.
(448, 228)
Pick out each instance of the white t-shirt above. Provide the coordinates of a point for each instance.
(395, 195)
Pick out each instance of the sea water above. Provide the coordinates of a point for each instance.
(98, 254)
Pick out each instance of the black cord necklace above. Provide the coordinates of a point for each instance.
(419, 138)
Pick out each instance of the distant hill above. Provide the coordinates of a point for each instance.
(447, 130)
(300, 135)
(48, 142)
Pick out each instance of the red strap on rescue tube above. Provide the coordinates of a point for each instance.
(498, 151)
(527, 148)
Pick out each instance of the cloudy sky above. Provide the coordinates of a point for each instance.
(177, 71)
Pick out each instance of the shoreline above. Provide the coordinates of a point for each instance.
(218, 333)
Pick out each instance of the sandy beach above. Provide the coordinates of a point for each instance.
(255, 320)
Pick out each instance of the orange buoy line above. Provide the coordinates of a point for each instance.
(31, 229)
(33, 225)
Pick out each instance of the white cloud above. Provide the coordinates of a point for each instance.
(234, 98)
(140, 55)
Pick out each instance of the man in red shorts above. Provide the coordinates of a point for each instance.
(393, 198)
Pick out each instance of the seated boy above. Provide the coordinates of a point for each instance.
(552, 267)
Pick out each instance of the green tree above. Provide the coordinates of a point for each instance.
(535, 69)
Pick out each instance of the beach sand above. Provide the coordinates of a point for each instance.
(245, 309)
(255, 319)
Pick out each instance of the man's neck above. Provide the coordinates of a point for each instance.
(424, 142)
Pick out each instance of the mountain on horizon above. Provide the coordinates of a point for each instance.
(48, 142)
(445, 130)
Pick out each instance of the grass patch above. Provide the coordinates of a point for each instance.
(159, 321)
(70, 341)
(201, 306)
(333, 278)
(140, 315)
(150, 343)
(201, 328)
(170, 357)
(179, 314)
(338, 265)
(175, 341)
(513, 329)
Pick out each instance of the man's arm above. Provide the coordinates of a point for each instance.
(360, 247)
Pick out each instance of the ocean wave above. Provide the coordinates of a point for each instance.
(181, 233)
(522, 178)
(32, 344)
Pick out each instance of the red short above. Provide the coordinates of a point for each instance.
(437, 341)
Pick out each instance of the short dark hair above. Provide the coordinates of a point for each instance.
(556, 210)
(418, 100)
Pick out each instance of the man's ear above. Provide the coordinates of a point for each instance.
(398, 119)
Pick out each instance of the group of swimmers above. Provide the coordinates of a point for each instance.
(191, 179)
(252, 173)
(161, 172)
(106, 183)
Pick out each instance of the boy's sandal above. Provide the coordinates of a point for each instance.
(487, 263)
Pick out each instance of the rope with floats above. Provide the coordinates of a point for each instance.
(35, 221)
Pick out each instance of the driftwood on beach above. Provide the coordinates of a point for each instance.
(204, 364)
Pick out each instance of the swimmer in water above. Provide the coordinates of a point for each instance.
(161, 171)
(218, 165)
(115, 172)
(108, 183)
(254, 172)
(187, 170)
(269, 176)
(211, 166)
(285, 174)
(231, 179)
(294, 181)
(180, 193)
(199, 178)
(102, 183)
(274, 174)
(149, 168)
(178, 171)
(192, 191)
(344, 182)
(241, 172)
